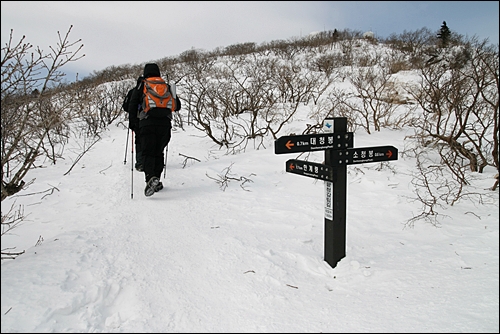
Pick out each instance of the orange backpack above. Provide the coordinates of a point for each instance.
(157, 95)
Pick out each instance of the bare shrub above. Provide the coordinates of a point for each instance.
(10, 220)
(414, 45)
(460, 107)
(372, 108)
(30, 114)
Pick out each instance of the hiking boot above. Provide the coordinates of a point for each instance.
(151, 186)
(139, 168)
(159, 187)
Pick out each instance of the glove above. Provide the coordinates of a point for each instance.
(177, 104)
(132, 126)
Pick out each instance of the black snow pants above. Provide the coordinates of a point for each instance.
(154, 139)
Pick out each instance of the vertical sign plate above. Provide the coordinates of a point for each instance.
(329, 200)
(328, 128)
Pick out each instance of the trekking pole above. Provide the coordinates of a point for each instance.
(126, 147)
(165, 166)
(132, 165)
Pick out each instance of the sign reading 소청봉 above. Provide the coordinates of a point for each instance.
(361, 155)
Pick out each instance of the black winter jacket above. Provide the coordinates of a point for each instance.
(133, 121)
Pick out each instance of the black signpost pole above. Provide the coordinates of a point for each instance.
(339, 152)
(335, 196)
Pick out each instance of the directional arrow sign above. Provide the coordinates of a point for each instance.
(361, 155)
(313, 142)
(311, 169)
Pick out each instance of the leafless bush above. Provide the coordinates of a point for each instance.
(107, 103)
(31, 116)
(414, 45)
(436, 185)
(367, 56)
(460, 109)
(322, 41)
(114, 73)
(240, 49)
(425, 182)
(373, 106)
(284, 49)
(226, 176)
(327, 63)
(10, 220)
(186, 159)
(85, 144)
(237, 101)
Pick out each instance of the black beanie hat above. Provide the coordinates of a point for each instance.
(151, 70)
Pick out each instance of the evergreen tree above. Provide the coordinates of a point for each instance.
(335, 35)
(444, 35)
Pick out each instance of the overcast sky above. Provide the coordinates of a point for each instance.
(133, 32)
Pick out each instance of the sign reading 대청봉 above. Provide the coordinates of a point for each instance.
(313, 142)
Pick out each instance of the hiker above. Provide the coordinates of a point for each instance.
(133, 124)
(155, 124)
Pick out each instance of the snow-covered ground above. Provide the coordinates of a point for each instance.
(249, 258)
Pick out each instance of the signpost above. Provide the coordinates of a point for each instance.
(313, 142)
(363, 155)
(339, 152)
(311, 169)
